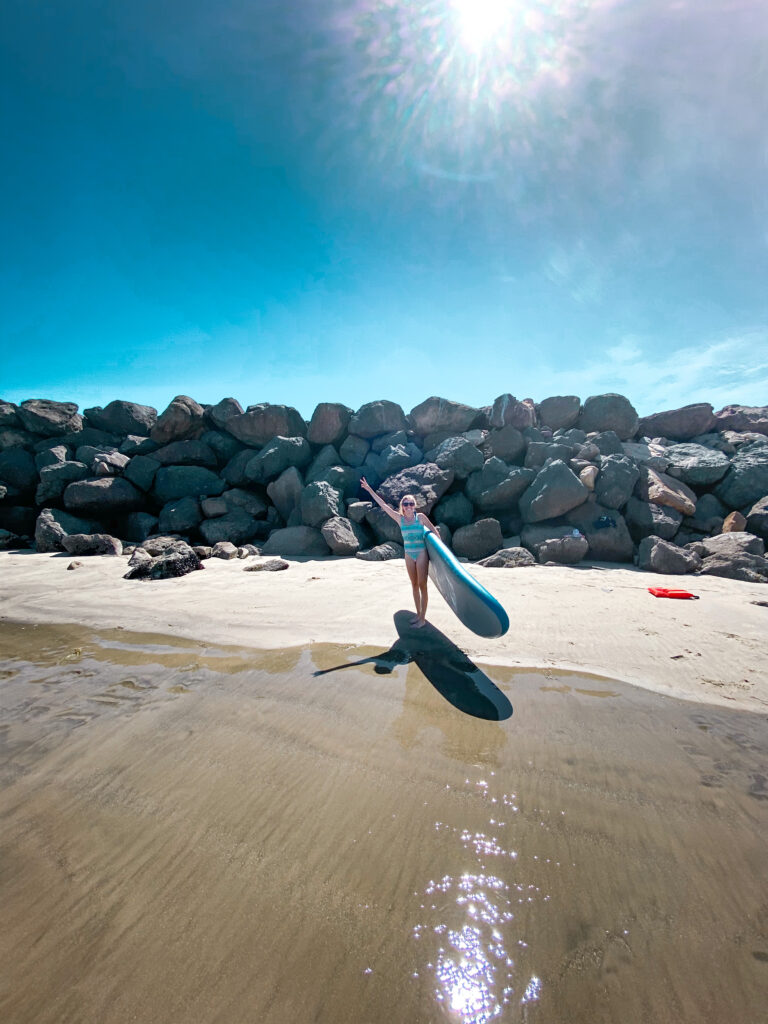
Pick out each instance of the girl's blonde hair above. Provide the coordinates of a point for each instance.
(400, 506)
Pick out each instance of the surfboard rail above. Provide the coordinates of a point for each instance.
(473, 605)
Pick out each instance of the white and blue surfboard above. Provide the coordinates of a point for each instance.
(468, 599)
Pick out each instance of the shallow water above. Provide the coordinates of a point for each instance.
(196, 833)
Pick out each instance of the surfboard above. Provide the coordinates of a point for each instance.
(468, 599)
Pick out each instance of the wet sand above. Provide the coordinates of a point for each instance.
(196, 833)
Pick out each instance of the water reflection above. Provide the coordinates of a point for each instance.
(445, 665)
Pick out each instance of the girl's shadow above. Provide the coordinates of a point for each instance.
(446, 667)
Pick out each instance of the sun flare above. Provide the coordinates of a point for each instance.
(479, 20)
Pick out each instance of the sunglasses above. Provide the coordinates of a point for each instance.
(407, 503)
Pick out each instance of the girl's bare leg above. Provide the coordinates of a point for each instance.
(422, 570)
(413, 575)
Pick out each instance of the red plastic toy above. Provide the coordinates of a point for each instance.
(681, 595)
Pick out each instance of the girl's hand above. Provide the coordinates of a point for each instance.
(364, 484)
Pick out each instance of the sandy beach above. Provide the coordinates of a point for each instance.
(596, 618)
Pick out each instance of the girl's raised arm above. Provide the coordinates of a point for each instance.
(379, 501)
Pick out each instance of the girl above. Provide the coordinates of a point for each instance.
(413, 525)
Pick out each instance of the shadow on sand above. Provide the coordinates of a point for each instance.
(447, 668)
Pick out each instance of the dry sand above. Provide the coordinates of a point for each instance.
(595, 618)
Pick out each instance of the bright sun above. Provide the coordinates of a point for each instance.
(480, 19)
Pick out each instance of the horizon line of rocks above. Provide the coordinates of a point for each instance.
(558, 480)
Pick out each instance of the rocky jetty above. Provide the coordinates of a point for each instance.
(513, 483)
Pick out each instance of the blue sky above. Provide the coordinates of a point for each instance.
(343, 200)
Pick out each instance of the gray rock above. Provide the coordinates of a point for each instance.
(565, 545)
(42, 416)
(11, 438)
(343, 536)
(276, 457)
(104, 497)
(747, 480)
(757, 518)
(180, 481)
(605, 529)
(753, 419)
(122, 418)
(181, 515)
(508, 411)
(221, 413)
(253, 504)
(87, 453)
(380, 417)
(8, 540)
(186, 453)
(696, 465)
(478, 540)
(285, 492)
(509, 558)
(645, 519)
(53, 525)
(383, 527)
(91, 544)
(539, 452)
(325, 458)
(559, 412)
(51, 456)
(708, 517)
(223, 445)
(99, 439)
(260, 423)
(440, 414)
(744, 566)
(54, 478)
(657, 555)
(18, 469)
(555, 491)
(498, 486)
(679, 424)
(382, 552)
(139, 556)
(344, 479)
(296, 540)
(166, 566)
(138, 526)
(652, 455)
(224, 549)
(506, 443)
(18, 519)
(458, 454)
(203, 551)
(357, 510)
(164, 545)
(109, 463)
(9, 415)
(395, 437)
(396, 457)
(329, 423)
(426, 482)
(236, 526)
(730, 544)
(609, 412)
(271, 565)
(235, 470)
(354, 450)
(136, 445)
(141, 471)
(181, 420)
(213, 507)
(454, 510)
(616, 480)
(75, 565)
(319, 501)
(607, 442)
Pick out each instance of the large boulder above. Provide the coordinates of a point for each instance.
(697, 465)
(179, 481)
(43, 416)
(652, 455)
(122, 418)
(11, 438)
(382, 552)
(9, 415)
(395, 457)
(141, 471)
(319, 501)
(607, 442)
(458, 454)
(329, 423)
(507, 443)
(285, 492)
(327, 456)
(52, 525)
(343, 536)
(609, 412)
(181, 420)
(555, 491)
(105, 497)
(383, 526)
(550, 543)
(616, 480)
(136, 445)
(508, 411)
(236, 526)
(182, 515)
(734, 544)
(221, 413)
(55, 478)
(679, 424)
(91, 544)
(747, 480)
(497, 485)
(454, 510)
(235, 470)
(137, 526)
(186, 453)
(344, 478)
(708, 517)
(426, 482)
(435, 415)
(109, 463)
(296, 540)
(253, 504)
(478, 540)
(743, 418)
(223, 445)
(540, 452)
(657, 555)
(559, 412)
(259, 424)
(757, 518)
(645, 518)
(742, 566)
(17, 519)
(665, 490)
(509, 558)
(277, 456)
(605, 529)
(354, 450)
(18, 470)
(166, 566)
(380, 417)
(51, 456)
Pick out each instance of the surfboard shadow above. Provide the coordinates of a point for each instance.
(455, 677)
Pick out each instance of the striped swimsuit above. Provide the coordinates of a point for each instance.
(413, 537)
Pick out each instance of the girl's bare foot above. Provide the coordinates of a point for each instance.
(419, 623)
(414, 620)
